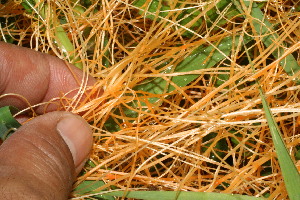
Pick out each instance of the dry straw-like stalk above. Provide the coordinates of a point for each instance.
(208, 136)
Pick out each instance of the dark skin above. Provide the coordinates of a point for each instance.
(43, 157)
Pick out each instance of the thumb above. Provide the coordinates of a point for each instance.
(41, 159)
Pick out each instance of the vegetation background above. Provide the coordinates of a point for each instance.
(179, 103)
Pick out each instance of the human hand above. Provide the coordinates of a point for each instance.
(42, 158)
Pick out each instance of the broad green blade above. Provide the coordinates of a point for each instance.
(263, 27)
(8, 124)
(289, 171)
(175, 195)
(201, 58)
(88, 187)
(188, 13)
(61, 38)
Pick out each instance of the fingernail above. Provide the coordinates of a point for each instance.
(78, 136)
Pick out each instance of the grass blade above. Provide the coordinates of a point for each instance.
(289, 171)
(180, 195)
(189, 15)
(89, 186)
(263, 27)
(61, 37)
(7, 122)
(201, 58)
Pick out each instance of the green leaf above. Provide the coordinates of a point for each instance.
(89, 187)
(27, 4)
(61, 37)
(153, 7)
(214, 13)
(289, 171)
(201, 58)
(188, 13)
(8, 124)
(180, 195)
(263, 27)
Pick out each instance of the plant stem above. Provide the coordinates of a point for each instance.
(60, 36)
